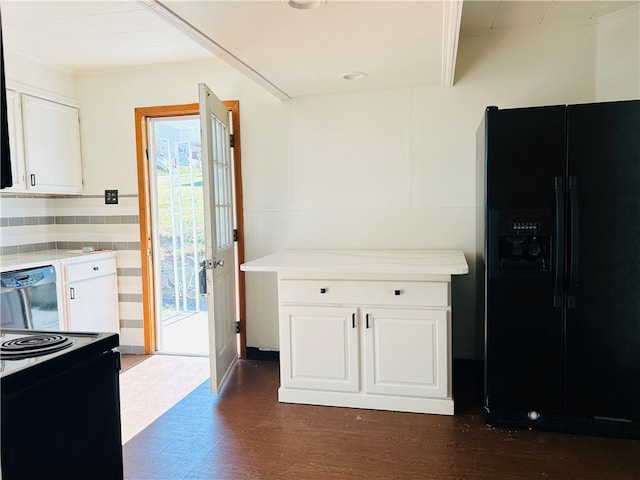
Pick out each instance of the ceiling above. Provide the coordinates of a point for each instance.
(290, 52)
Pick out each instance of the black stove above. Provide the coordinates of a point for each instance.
(49, 377)
(27, 354)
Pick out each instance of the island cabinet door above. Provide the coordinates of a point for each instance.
(319, 348)
(405, 352)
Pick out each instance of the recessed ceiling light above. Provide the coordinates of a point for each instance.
(304, 4)
(353, 76)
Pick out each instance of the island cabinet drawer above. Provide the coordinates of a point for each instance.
(391, 293)
(90, 269)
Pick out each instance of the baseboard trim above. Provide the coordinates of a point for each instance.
(254, 353)
(440, 406)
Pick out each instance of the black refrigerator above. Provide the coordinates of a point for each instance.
(559, 236)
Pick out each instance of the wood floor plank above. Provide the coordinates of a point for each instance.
(244, 433)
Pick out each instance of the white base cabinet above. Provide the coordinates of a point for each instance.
(91, 294)
(365, 328)
(356, 343)
(405, 352)
(319, 348)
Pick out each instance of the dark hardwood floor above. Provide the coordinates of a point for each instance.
(244, 433)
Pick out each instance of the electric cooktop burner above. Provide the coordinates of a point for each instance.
(34, 345)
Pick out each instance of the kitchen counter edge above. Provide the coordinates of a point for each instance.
(41, 258)
(446, 262)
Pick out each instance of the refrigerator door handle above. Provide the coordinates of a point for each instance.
(573, 255)
(559, 242)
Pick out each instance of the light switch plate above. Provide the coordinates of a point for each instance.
(111, 197)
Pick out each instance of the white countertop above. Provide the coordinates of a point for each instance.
(21, 261)
(428, 262)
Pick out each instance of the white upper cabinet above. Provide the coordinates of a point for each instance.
(14, 116)
(51, 146)
(44, 139)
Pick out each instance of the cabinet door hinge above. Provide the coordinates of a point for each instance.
(237, 327)
(235, 234)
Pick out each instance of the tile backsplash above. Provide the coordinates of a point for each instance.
(31, 223)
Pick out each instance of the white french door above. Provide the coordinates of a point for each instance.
(219, 241)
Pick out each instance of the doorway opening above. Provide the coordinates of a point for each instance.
(177, 212)
(172, 229)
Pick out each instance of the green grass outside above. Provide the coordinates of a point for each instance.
(182, 207)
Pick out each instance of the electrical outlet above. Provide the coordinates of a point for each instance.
(110, 197)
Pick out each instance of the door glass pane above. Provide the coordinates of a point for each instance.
(222, 178)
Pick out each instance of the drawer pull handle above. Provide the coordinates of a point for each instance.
(396, 292)
(323, 290)
(353, 320)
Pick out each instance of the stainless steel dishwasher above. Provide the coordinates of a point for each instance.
(29, 299)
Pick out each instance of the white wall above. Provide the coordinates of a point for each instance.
(108, 101)
(40, 76)
(618, 57)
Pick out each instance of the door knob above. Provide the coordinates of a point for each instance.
(218, 262)
(209, 264)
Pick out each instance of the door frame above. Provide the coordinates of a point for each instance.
(144, 208)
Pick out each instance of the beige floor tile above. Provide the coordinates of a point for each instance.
(152, 387)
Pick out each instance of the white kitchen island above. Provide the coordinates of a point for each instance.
(365, 328)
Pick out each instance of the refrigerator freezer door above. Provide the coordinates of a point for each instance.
(603, 326)
(525, 155)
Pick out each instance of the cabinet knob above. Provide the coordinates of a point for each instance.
(323, 290)
(95, 269)
(396, 292)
